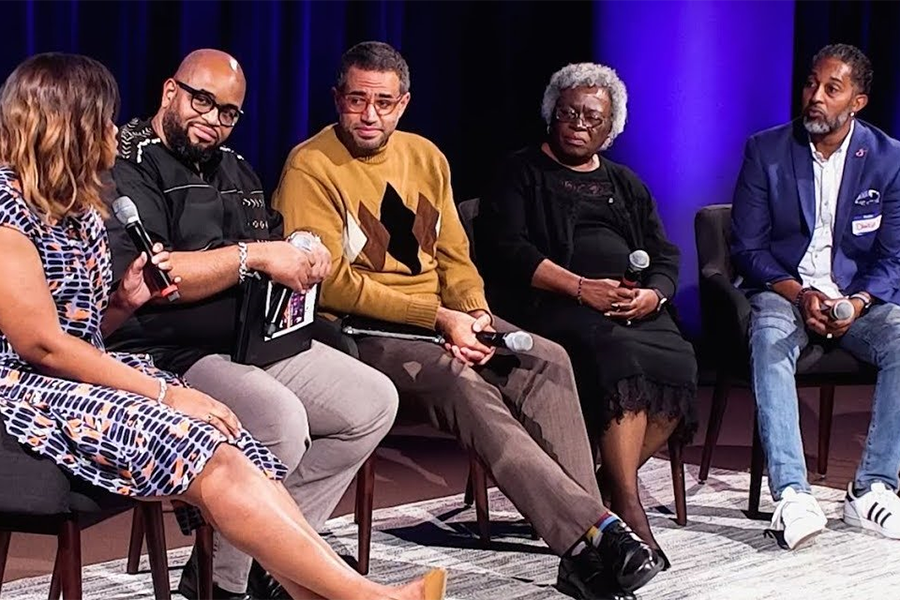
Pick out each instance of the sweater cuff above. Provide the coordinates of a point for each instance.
(422, 312)
(475, 301)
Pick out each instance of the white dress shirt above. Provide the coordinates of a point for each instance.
(815, 267)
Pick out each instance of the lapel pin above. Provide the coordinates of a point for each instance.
(861, 152)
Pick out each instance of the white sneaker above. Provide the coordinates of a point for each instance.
(799, 516)
(877, 510)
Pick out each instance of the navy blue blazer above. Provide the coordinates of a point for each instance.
(773, 213)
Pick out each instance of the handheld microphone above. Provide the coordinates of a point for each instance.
(637, 262)
(841, 310)
(517, 341)
(281, 294)
(127, 214)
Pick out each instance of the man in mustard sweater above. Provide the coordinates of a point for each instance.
(381, 202)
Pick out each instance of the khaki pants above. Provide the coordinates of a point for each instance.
(321, 412)
(520, 413)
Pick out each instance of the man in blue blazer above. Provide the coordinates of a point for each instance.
(816, 239)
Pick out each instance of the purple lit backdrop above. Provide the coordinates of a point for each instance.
(701, 77)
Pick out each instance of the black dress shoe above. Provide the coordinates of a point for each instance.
(187, 585)
(665, 559)
(263, 586)
(585, 577)
(630, 560)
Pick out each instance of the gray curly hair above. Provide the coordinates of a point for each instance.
(589, 75)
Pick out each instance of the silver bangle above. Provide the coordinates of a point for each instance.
(163, 388)
(243, 271)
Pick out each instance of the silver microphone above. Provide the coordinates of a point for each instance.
(842, 310)
(517, 341)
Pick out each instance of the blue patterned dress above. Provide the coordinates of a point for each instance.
(119, 441)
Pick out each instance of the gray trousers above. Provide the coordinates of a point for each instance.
(521, 415)
(321, 412)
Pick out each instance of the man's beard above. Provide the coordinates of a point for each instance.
(179, 142)
(825, 126)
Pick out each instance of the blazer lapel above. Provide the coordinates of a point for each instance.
(854, 164)
(803, 175)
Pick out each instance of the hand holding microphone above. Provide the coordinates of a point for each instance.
(637, 262)
(281, 294)
(127, 214)
(516, 341)
(841, 310)
(643, 301)
(825, 316)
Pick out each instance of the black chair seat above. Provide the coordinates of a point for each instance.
(832, 364)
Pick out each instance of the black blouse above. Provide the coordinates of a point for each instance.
(588, 223)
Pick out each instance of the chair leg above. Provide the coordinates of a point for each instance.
(677, 462)
(203, 543)
(68, 555)
(4, 551)
(478, 476)
(55, 585)
(469, 496)
(365, 496)
(716, 414)
(137, 541)
(757, 464)
(826, 412)
(156, 548)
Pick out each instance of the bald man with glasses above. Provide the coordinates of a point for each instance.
(321, 412)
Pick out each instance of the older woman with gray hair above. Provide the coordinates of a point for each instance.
(554, 237)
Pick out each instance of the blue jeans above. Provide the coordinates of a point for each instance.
(777, 336)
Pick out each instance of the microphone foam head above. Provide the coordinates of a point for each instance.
(519, 341)
(300, 241)
(842, 309)
(638, 260)
(125, 210)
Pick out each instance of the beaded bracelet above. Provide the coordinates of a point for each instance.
(798, 301)
(578, 292)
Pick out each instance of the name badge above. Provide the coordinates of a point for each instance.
(865, 225)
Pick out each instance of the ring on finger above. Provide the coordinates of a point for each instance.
(209, 417)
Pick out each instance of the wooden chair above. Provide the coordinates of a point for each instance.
(37, 496)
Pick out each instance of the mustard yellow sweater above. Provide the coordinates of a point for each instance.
(390, 223)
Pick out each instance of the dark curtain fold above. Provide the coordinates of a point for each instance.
(871, 26)
(479, 69)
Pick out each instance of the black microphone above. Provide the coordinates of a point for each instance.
(637, 262)
(841, 310)
(281, 294)
(517, 341)
(127, 214)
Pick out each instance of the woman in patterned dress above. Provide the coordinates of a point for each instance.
(115, 420)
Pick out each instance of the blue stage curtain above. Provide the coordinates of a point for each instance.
(701, 77)
(871, 26)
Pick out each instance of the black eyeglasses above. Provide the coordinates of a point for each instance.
(203, 102)
(591, 118)
(358, 103)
